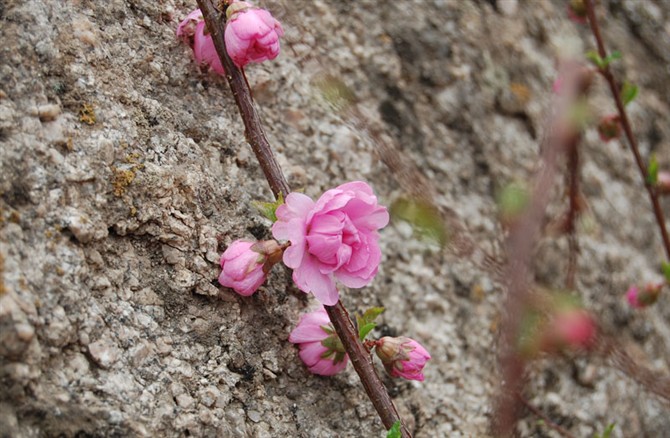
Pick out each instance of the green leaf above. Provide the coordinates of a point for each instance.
(394, 431)
(512, 201)
(269, 209)
(364, 330)
(606, 433)
(593, 56)
(652, 170)
(424, 218)
(665, 267)
(628, 92)
(599, 62)
(366, 322)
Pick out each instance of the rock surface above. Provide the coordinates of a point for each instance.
(124, 173)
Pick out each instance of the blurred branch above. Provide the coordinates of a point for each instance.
(359, 355)
(544, 418)
(623, 116)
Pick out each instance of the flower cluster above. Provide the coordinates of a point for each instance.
(251, 35)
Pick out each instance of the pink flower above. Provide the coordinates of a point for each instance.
(252, 34)
(192, 31)
(402, 357)
(639, 299)
(244, 265)
(334, 238)
(609, 128)
(320, 348)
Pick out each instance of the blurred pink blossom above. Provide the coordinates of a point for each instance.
(639, 299)
(334, 238)
(570, 328)
(252, 34)
(402, 357)
(663, 182)
(320, 348)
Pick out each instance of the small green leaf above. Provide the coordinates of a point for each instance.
(652, 170)
(665, 267)
(269, 209)
(394, 431)
(366, 322)
(616, 55)
(593, 56)
(512, 201)
(364, 330)
(628, 92)
(424, 218)
(606, 433)
(599, 62)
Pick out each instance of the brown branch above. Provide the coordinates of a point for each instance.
(544, 418)
(359, 355)
(573, 213)
(625, 122)
(520, 243)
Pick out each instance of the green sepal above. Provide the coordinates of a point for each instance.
(333, 344)
(394, 431)
(269, 209)
(628, 92)
(665, 267)
(652, 170)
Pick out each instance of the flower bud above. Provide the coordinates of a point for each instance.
(244, 265)
(609, 128)
(577, 11)
(570, 328)
(402, 357)
(320, 347)
(192, 30)
(639, 299)
(252, 34)
(663, 182)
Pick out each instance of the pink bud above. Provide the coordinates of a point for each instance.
(252, 34)
(645, 297)
(609, 128)
(570, 328)
(402, 357)
(193, 32)
(320, 348)
(244, 265)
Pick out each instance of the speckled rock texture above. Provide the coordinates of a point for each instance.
(124, 173)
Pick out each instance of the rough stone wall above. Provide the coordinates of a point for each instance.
(124, 173)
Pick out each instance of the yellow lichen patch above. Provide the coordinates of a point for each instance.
(521, 92)
(133, 211)
(122, 179)
(87, 114)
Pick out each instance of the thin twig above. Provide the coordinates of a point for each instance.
(520, 243)
(359, 355)
(544, 418)
(623, 116)
(573, 213)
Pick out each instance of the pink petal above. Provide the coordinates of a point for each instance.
(311, 352)
(308, 278)
(295, 205)
(327, 367)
